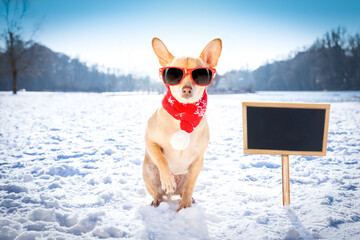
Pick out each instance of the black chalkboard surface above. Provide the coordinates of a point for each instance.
(285, 128)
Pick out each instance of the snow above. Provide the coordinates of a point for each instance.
(70, 168)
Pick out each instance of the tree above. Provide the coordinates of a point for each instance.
(354, 61)
(14, 13)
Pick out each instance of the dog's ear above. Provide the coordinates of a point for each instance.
(164, 56)
(211, 52)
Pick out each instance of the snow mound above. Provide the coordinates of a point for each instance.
(46, 215)
(165, 223)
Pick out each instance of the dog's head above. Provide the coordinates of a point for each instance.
(187, 91)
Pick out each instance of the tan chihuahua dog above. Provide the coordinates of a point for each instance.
(168, 170)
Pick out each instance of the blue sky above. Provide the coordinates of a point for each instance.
(117, 34)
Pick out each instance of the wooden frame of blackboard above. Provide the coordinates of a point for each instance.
(325, 107)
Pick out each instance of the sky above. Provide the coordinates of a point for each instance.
(117, 34)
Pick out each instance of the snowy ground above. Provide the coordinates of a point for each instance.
(70, 168)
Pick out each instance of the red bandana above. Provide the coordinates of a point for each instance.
(189, 114)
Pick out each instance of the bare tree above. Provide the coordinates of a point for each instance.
(14, 13)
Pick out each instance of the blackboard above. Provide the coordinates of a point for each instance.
(285, 128)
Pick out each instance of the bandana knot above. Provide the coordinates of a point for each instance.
(186, 126)
(189, 114)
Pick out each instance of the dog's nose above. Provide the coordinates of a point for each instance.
(187, 91)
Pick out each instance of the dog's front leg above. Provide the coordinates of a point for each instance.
(194, 171)
(167, 180)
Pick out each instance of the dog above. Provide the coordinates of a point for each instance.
(171, 168)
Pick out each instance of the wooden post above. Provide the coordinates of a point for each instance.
(285, 179)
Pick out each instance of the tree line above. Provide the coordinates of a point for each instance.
(51, 71)
(331, 63)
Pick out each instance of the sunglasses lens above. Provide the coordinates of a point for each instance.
(202, 76)
(172, 76)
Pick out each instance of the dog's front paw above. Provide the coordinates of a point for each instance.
(185, 203)
(168, 183)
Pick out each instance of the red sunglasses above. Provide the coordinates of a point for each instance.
(201, 76)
